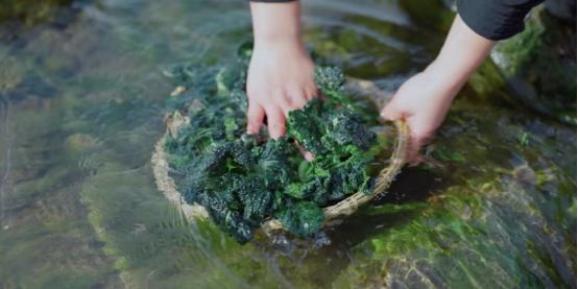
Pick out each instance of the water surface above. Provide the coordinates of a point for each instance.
(82, 100)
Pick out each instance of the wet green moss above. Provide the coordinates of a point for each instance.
(492, 220)
(43, 230)
(429, 14)
(540, 65)
(12, 73)
(41, 245)
(30, 11)
(361, 55)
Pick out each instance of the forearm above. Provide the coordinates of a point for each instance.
(276, 23)
(280, 77)
(463, 51)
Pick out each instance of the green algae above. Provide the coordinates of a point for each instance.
(31, 12)
(12, 73)
(473, 225)
(494, 187)
(41, 233)
(430, 15)
(155, 246)
(540, 64)
(350, 49)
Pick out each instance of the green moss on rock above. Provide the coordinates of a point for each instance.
(540, 65)
(31, 11)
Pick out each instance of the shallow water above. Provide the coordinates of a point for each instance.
(82, 103)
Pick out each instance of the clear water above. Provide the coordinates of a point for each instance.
(82, 100)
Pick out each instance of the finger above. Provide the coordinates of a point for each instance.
(296, 99)
(390, 112)
(255, 116)
(280, 99)
(416, 160)
(309, 156)
(413, 152)
(275, 121)
(417, 141)
(311, 93)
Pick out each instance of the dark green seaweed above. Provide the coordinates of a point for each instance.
(243, 180)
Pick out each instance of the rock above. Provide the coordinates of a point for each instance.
(431, 15)
(11, 74)
(539, 65)
(80, 142)
(563, 9)
(31, 12)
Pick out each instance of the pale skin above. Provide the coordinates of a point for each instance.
(280, 77)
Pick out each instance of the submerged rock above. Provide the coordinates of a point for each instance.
(564, 10)
(31, 12)
(80, 142)
(11, 74)
(540, 65)
(506, 218)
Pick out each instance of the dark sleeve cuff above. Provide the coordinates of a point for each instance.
(495, 19)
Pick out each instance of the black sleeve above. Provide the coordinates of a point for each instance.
(495, 19)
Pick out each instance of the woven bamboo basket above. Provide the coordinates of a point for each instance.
(333, 213)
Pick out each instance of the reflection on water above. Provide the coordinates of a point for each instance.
(81, 105)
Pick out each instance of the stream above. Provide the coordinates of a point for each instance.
(82, 100)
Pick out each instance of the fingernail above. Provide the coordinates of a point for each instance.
(309, 156)
(383, 115)
(253, 129)
(275, 135)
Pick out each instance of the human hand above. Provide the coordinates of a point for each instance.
(280, 79)
(423, 102)
(281, 73)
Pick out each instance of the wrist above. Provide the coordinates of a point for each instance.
(447, 78)
(276, 24)
(462, 53)
(277, 41)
